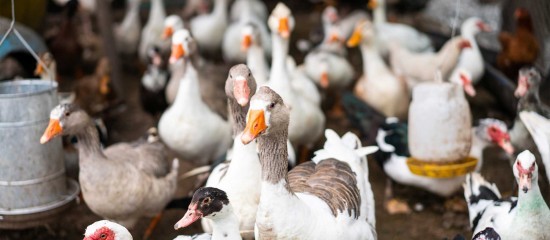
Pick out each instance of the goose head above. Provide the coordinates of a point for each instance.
(363, 33)
(281, 21)
(528, 81)
(207, 202)
(172, 24)
(268, 115)
(495, 131)
(183, 45)
(106, 230)
(330, 15)
(66, 119)
(240, 84)
(49, 62)
(250, 35)
(525, 171)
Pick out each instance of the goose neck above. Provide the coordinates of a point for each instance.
(273, 157)
(280, 53)
(238, 115)
(88, 142)
(220, 8)
(189, 90)
(380, 12)
(157, 10)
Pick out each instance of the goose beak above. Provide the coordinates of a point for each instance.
(177, 52)
(190, 217)
(334, 38)
(246, 42)
(39, 69)
(523, 86)
(372, 4)
(283, 27)
(324, 80)
(255, 125)
(355, 38)
(241, 91)
(168, 31)
(53, 129)
(104, 85)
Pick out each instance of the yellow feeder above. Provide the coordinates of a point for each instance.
(440, 169)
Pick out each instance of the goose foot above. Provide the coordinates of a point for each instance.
(396, 206)
(152, 225)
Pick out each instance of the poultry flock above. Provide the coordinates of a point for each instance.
(265, 164)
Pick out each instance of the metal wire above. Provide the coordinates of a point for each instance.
(438, 76)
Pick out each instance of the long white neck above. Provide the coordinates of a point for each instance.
(255, 59)
(380, 12)
(220, 9)
(132, 14)
(225, 225)
(469, 32)
(189, 97)
(372, 60)
(279, 73)
(157, 10)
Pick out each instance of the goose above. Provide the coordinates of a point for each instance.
(208, 29)
(50, 73)
(257, 7)
(151, 35)
(308, 120)
(251, 43)
(405, 35)
(331, 191)
(378, 87)
(470, 60)
(392, 140)
(123, 182)
(539, 128)
(189, 127)
(172, 24)
(213, 204)
(128, 31)
(524, 217)
(231, 45)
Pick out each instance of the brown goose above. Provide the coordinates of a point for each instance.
(122, 183)
(328, 198)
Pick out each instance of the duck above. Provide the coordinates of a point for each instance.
(172, 24)
(213, 204)
(378, 87)
(151, 34)
(232, 41)
(539, 128)
(251, 43)
(394, 151)
(331, 18)
(521, 217)
(293, 204)
(178, 124)
(105, 229)
(308, 120)
(127, 33)
(422, 67)
(257, 7)
(122, 182)
(469, 69)
(209, 29)
(405, 35)
(153, 83)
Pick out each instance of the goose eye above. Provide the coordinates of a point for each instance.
(231, 76)
(249, 74)
(272, 105)
(67, 114)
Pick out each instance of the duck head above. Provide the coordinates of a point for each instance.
(526, 171)
(64, 119)
(363, 32)
(281, 21)
(465, 80)
(495, 131)
(106, 230)
(528, 80)
(267, 115)
(240, 84)
(172, 23)
(182, 45)
(48, 60)
(207, 202)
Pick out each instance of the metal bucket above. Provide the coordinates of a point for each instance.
(32, 175)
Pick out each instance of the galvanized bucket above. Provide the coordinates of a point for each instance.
(32, 175)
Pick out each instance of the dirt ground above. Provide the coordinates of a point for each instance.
(431, 219)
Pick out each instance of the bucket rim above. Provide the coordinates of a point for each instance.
(52, 86)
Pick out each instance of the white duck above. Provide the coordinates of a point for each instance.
(231, 45)
(393, 154)
(524, 217)
(208, 29)
(539, 128)
(258, 8)
(128, 31)
(378, 86)
(105, 229)
(151, 35)
(405, 35)
(189, 126)
(308, 120)
(470, 60)
(327, 198)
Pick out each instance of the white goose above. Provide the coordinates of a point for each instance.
(208, 29)
(151, 35)
(258, 8)
(189, 126)
(378, 86)
(470, 61)
(308, 121)
(172, 24)
(524, 217)
(251, 43)
(128, 31)
(327, 198)
(405, 35)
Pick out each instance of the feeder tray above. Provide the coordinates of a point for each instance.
(442, 170)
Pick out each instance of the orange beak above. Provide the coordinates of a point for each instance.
(255, 125)
(334, 38)
(168, 31)
(355, 38)
(372, 4)
(53, 129)
(177, 52)
(39, 69)
(283, 27)
(324, 80)
(104, 85)
(247, 41)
